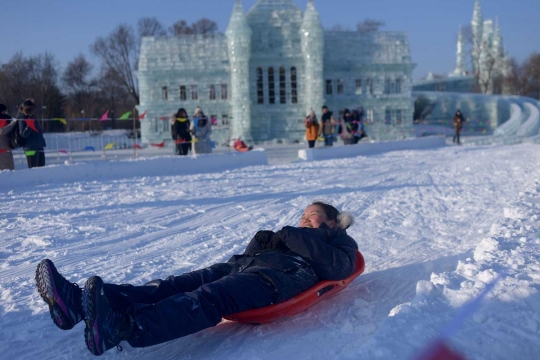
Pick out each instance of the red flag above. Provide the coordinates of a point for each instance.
(137, 146)
(63, 151)
(31, 124)
(3, 123)
(3, 151)
(164, 118)
(158, 145)
(105, 116)
(143, 115)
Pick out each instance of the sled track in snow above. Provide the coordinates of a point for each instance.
(417, 212)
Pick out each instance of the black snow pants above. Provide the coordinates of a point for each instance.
(182, 305)
(36, 160)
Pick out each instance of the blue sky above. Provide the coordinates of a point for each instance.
(67, 27)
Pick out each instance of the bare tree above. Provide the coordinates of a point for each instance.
(204, 27)
(201, 27)
(531, 76)
(119, 54)
(180, 28)
(30, 77)
(369, 26)
(150, 27)
(76, 77)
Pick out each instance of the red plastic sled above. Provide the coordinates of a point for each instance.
(299, 303)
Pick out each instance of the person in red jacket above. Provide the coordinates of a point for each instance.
(275, 267)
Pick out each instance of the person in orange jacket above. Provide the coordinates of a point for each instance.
(312, 129)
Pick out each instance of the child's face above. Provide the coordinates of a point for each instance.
(314, 216)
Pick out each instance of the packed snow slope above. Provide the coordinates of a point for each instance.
(435, 226)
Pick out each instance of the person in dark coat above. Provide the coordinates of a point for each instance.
(30, 130)
(328, 126)
(275, 267)
(458, 121)
(357, 125)
(180, 132)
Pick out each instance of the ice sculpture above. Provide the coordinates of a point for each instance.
(271, 66)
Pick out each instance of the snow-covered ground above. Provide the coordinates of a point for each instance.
(435, 226)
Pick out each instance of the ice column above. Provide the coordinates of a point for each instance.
(239, 45)
(461, 67)
(312, 35)
(477, 26)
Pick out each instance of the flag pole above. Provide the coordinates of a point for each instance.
(134, 135)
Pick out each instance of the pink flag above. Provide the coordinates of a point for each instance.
(63, 151)
(142, 116)
(164, 118)
(105, 116)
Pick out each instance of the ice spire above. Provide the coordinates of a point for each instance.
(312, 35)
(239, 44)
(238, 22)
(477, 25)
(461, 68)
(497, 40)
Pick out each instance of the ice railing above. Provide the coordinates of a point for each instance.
(532, 124)
(513, 124)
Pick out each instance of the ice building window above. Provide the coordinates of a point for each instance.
(225, 119)
(341, 86)
(212, 94)
(398, 86)
(369, 86)
(164, 93)
(399, 116)
(358, 86)
(294, 90)
(369, 117)
(328, 87)
(387, 86)
(183, 93)
(271, 86)
(282, 86)
(194, 93)
(388, 116)
(224, 94)
(260, 86)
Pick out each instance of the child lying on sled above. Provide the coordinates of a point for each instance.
(275, 267)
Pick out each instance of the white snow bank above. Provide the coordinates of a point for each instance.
(507, 325)
(370, 148)
(113, 170)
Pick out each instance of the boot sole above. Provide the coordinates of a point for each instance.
(49, 293)
(90, 300)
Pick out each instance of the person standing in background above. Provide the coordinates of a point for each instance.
(201, 130)
(180, 132)
(312, 129)
(458, 125)
(328, 126)
(30, 130)
(7, 125)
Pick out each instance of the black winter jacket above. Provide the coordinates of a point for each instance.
(180, 130)
(326, 254)
(34, 140)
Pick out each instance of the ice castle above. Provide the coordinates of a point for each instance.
(272, 65)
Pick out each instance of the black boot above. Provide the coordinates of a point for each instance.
(62, 296)
(106, 326)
